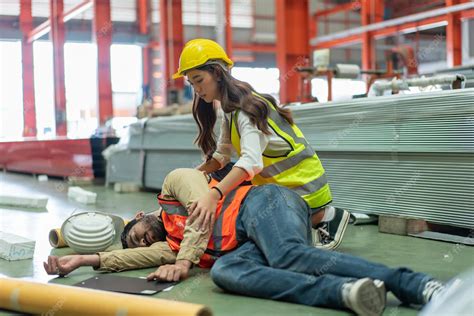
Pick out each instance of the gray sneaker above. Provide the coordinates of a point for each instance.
(365, 297)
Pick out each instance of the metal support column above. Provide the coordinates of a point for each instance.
(29, 109)
(143, 19)
(292, 45)
(57, 36)
(368, 53)
(102, 31)
(228, 28)
(171, 44)
(453, 36)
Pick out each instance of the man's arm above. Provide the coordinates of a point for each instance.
(157, 254)
(186, 186)
(67, 264)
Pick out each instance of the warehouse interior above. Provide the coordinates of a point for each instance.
(92, 120)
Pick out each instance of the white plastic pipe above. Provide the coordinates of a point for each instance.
(403, 84)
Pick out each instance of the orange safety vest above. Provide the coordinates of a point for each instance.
(223, 238)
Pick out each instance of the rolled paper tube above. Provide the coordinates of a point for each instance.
(53, 299)
(347, 71)
(56, 238)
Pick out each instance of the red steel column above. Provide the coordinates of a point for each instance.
(57, 36)
(454, 36)
(228, 28)
(292, 45)
(368, 52)
(171, 44)
(29, 110)
(142, 18)
(103, 27)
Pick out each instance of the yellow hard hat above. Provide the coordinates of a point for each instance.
(198, 52)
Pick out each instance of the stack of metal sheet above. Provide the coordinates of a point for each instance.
(156, 147)
(407, 155)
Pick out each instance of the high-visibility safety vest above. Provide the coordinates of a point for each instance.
(223, 238)
(298, 169)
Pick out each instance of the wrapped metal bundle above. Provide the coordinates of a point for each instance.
(407, 155)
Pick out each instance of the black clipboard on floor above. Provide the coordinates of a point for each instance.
(122, 284)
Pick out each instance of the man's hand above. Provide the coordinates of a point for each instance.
(62, 265)
(203, 210)
(171, 272)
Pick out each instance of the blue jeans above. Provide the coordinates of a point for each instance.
(275, 259)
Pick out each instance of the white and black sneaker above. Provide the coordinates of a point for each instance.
(328, 235)
(432, 289)
(365, 297)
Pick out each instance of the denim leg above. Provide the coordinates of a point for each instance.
(277, 220)
(245, 271)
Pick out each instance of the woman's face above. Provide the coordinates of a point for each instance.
(204, 84)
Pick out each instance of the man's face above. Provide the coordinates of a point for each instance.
(141, 235)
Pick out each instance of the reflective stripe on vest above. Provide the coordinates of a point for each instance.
(174, 208)
(299, 169)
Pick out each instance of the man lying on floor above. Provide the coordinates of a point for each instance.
(262, 239)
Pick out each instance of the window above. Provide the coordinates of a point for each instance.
(263, 80)
(44, 88)
(126, 69)
(11, 94)
(80, 73)
(342, 89)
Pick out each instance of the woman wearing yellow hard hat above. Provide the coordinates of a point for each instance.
(271, 148)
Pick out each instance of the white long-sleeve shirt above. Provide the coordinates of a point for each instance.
(253, 143)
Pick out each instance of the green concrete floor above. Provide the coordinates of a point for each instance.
(440, 259)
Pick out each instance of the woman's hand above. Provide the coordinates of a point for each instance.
(203, 210)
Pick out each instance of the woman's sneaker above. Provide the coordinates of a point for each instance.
(328, 235)
(365, 297)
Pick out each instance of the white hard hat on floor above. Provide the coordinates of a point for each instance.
(90, 232)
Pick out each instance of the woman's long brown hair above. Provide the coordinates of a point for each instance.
(236, 95)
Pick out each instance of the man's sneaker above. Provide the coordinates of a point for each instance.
(328, 235)
(364, 297)
(432, 289)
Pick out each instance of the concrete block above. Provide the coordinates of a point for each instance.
(401, 226)
(393, 225)
(416, 226)
(82, 196)
(80, 181)
(36, 201)
(42, 178)
(126, 187)
(13, 247)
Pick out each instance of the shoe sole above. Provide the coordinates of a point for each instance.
(380, 285)
(315, 238)
(367, 300)
(340, 233)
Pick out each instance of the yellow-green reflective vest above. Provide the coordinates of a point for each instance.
(299, 169)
